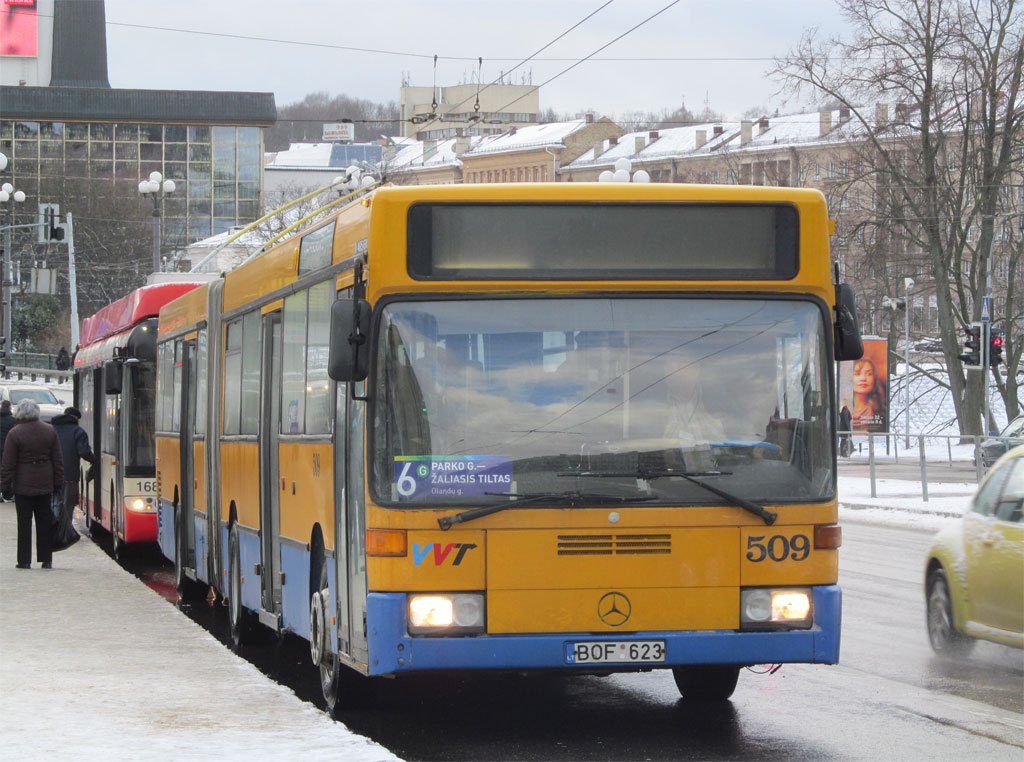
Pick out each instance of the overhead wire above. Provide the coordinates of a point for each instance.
(533, 56)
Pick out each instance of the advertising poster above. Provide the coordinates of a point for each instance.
(18, 28)
(864, 387)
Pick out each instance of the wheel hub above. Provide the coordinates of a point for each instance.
(318, 627)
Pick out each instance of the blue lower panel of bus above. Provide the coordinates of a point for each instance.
(393, 650)
(295, 593)
(165, 528)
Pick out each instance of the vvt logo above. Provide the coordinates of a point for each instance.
(440, 552)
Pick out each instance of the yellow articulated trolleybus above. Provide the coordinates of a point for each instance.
(586, 427)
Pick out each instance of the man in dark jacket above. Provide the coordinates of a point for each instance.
(6, 424)
(32, 469)
(74, 447)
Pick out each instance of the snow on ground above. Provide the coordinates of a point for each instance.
(900, 503)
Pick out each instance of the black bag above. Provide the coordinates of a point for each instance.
(63, 534)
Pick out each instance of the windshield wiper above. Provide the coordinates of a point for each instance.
(664, 473)
(571, 497)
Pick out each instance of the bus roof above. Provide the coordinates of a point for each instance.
(127, 311)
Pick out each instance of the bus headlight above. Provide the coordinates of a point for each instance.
(445, 613)
(139, 504)
(765, 608)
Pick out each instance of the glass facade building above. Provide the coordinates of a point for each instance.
(217, 169)
(101, 142)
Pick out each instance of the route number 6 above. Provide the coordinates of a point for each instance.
(406, 484)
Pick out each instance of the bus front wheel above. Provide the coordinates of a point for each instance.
(324, 659)
(706, 683)
(115, 540)
(342, 687)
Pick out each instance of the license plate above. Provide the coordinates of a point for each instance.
(615, 652)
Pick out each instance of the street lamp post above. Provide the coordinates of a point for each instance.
(908, 283)
(8, 196)
(156, 188)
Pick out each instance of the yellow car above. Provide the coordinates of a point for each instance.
(974, 577)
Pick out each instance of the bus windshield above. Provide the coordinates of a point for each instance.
(140, 457)
(481, 401)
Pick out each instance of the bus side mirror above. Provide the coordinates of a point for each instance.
(112, 377)
(349, 355)
(847, 330)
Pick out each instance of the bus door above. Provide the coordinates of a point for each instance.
(187, 455)
(94, 428)
(342, 571)
(270, 495)
(353, 465)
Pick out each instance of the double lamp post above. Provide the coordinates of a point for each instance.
(156, 188)
(8, 197)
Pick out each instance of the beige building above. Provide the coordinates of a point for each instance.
(527, 154)
(533, 154)
(429, 113)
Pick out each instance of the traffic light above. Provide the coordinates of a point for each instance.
(972, 346)
(56, 233)
(995, 348)
(3, 354)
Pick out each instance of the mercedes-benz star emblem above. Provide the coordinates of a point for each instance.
(614, 609)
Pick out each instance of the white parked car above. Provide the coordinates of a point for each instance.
(49, 404)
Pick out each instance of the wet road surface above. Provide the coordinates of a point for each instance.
(890, 698)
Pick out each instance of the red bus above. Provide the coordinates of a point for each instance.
(115, 388)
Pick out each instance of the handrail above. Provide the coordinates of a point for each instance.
(308, 217)
(260, 221)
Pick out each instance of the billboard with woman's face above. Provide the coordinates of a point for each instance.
(864, 388)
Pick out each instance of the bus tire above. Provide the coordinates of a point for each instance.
(324, 661)
(342, 687)
(706, 683)
(945, 639)
(188, 589)
(238, 617)
(116, 542)
(91, 525)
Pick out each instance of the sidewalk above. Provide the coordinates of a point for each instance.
(96, 666)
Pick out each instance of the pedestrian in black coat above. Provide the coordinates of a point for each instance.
(6, 424)
(74, 447)
(32, 469)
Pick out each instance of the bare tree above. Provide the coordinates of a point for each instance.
(113, 239)
(952, 71)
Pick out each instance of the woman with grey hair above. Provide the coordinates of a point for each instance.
(32, 469)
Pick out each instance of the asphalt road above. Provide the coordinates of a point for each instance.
(890, 698)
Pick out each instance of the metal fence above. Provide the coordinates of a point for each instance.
(36, 375)
(922, 455)
(41, 360)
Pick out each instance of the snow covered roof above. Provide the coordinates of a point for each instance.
(769, 132)
(438, 154)
(318, 155)
(527, 138)
(673, 141)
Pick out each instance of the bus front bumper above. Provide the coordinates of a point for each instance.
(139, 526)
(392, 650)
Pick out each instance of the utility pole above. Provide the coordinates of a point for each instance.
(72, 285)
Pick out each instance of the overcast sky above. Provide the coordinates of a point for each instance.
(294, 47)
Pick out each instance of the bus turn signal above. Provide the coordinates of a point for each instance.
(828, 537)
(386, 542)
